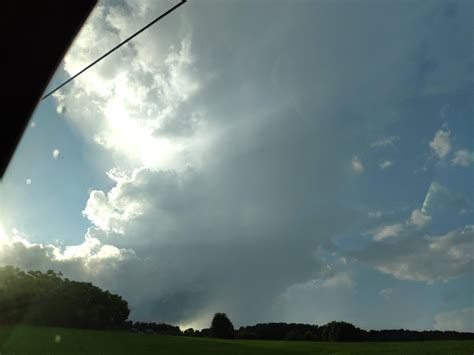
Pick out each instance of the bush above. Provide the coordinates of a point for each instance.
(189, 332)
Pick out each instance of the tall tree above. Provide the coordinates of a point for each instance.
(222, 327)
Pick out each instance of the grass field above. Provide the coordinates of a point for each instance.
(42, 340)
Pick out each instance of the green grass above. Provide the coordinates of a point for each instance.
(43, 340)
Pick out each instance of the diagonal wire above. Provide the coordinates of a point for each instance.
(113, 49)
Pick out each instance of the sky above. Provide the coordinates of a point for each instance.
(301, 161)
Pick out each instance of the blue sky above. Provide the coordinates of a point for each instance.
(58, 186)
(307, 161)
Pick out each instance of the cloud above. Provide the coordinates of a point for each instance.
(341, 279)
(386, 293)
(137, 95)
(212, 171)
(443, 111)
(108, 212)
(56, 153)
(28, 181)
(419, 219)
(334, 290)
(424, 258)
(461, 320)
(440, 144)
(91, 260)
(165, 217)
(463, 157)
(357, 165)
(384, 142)
(386, 164)
(388, 231)
(375, 214)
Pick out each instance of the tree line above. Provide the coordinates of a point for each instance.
(341, 331)
(49, 299)
(221, 327)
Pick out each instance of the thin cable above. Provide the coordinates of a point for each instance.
(113, 49)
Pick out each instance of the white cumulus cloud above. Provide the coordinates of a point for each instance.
(463, 157)
(140, 109)
(424, 258)
(90, 260)
(384, 232)
(419, 219)
(441, 144)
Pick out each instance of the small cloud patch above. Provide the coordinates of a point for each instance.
(384, 232)
(375, 214)
(386, 164)
(463, 157)
(441, 143)
(357, 165)
(386, 293)
(384, 142)
(419, 219)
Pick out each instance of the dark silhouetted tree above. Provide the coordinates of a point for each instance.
(222, 327)
(38, 298)
(342, 331)
(156, 328)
